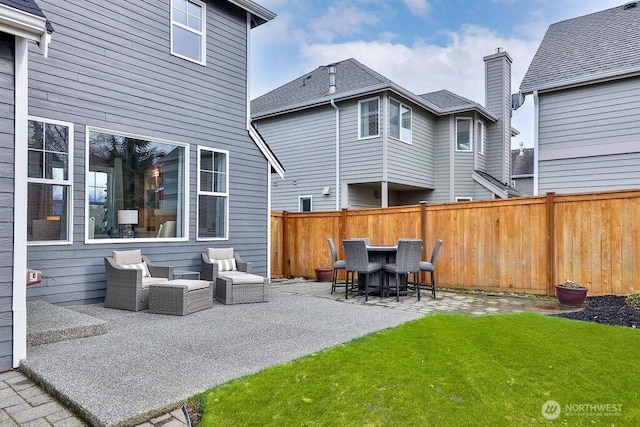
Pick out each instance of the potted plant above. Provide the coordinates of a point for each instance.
(571, 293)
(324, 274)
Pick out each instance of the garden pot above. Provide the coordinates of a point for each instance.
(324, 274)
(571, 297)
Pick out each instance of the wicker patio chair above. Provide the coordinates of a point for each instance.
(357, 260)
(430, 266)
(129, 274)
(209, 265)
(337, 265)
(407, 262)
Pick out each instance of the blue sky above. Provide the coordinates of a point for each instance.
(422, 45)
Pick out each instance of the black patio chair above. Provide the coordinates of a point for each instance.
(407, 262)
(357, 259)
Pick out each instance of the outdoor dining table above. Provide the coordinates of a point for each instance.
(384, 254)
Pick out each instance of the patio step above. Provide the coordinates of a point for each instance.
(47, 323)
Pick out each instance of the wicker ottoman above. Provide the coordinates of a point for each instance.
(180, 297)
(242, 288)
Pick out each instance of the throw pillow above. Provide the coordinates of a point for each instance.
(226, 264)
(141, 266)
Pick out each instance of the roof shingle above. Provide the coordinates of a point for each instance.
(590, 47)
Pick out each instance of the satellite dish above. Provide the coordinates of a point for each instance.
(516, 101)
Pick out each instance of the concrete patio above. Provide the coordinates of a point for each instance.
(147, 365)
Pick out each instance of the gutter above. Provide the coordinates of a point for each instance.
(335, 107)
(583, 80)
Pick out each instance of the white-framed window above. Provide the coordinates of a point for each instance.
(305, 203)
(188, 30)
(481, 136)
(136, 187)
(463, 134)
(369, 118)
(399, 121)
(49, 181)
(213, 194)
(464, 199)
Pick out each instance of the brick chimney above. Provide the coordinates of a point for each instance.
(497, 71)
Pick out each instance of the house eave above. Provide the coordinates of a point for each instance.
(500, 192)
(21, 23)
(582, 80)
(260, 14)
(372, 90)
(266, 151)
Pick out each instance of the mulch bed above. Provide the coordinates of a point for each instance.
(608, 309)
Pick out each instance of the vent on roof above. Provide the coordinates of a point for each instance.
(630, 5)
(304, 79)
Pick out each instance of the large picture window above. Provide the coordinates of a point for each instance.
(369, 118)
(213, 193)
(188, 30)
(399, 121)
(49, 181)
(135, 187)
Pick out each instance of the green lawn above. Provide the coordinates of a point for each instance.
(448, 370)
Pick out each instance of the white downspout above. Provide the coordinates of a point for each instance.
(338, 189)
(536, 140)
(19, 303)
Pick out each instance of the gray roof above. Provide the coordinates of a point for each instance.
(510, 191)
(352, 79)
(522, 164)
(592, 47)
(28, 6)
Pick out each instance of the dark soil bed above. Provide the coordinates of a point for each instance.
(608, 309)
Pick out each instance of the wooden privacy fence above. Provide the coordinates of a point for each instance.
(516, 245)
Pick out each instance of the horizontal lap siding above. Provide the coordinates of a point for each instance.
(110, 66)
(414, 164)
(7, 115)
(360, 160)
(442, 161)
(304, 142)
(591, 118)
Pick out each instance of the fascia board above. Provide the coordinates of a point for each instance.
(255, 9)
(268, 154)
(582, 80)
(22, 24)
(489, 186)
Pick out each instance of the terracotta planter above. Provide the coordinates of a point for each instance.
(571, 297)
(324, 274)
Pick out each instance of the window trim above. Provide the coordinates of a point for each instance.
(377, 135)
(203, 33)
(470, 120)
(185, 189)
(68, 183)
(212, 193)
(481, 133)
(401, 104)
(304, 197)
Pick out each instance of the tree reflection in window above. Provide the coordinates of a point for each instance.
(135, 174)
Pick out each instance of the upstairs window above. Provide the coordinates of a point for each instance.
(399, 121)
(463, 134)
(49, 181)
(369, 118)
(481, 137)
(188, 30)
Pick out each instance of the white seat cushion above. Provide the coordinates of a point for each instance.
(219, 253)
(146, 281)
(191, 285)
(241, 278)
(128, 257)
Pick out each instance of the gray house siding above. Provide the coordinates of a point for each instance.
(498, 101)
(524, 185)
(110, 67)
(443, 154)
(413, 164)
(6, 199)
(305, 144)
(589, 137)
(360, 159)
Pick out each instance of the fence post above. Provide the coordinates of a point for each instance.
(343, 231)
(551, 244)
(423, 236)
(285, 245)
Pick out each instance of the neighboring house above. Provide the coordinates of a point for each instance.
(135, 134)
(585, 84)
(522, 170)
(351, 138)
